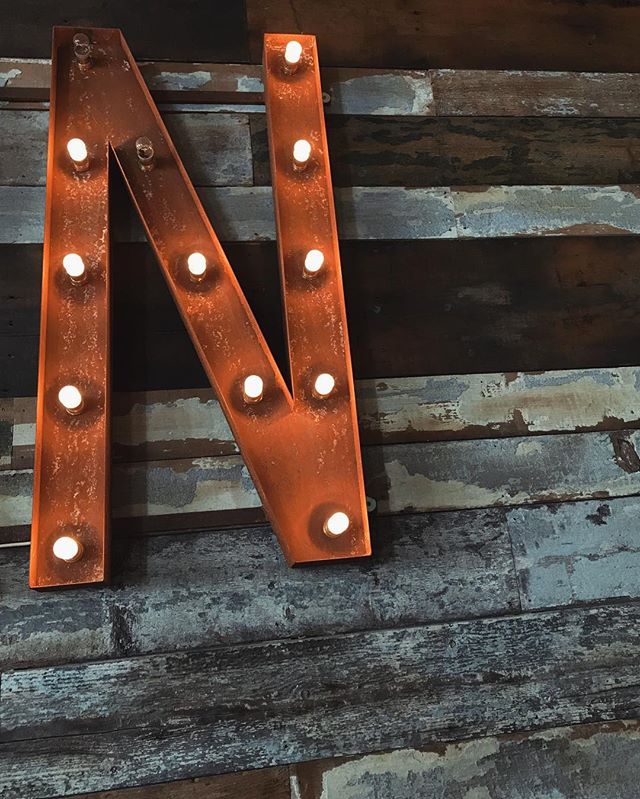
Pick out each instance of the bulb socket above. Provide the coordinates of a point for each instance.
(146, 153)
(82, 50)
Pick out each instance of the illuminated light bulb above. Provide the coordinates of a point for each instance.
(77, 150)
(74, 266)
(71, 399)
(197, 265)
(313, 262)
(324, 385)
(336, 525)
(82, 50)
(301, 153)
(253, 388)
(292, 55)
(67, 548)
(146, 153)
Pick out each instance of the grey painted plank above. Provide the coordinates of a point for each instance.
(583, 553)
(216, 148)
(446, 92)
(195, 590)
(174, 716)
(391, 213)
(590, 761)
(401, 478)
(159, 425)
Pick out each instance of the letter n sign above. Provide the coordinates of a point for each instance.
(301, 445)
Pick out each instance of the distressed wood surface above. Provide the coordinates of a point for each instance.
(547, 303)
(592, 761)
(374, 151)
(196, 590)
(183, 715)
(401, 478)
(523, 34)
(243, 213)
(378, 92)
(160, 425)
(582, 553)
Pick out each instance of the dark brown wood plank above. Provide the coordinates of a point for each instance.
(183, 715)
(171, 30)
(592, 761)
(461, 151)
(415, 308)
(522, 34)
(185, 591)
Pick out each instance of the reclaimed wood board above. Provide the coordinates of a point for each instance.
(195, 590)
(190, 714)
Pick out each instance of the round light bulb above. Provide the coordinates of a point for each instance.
(292, 53)
(324, 384)
(197, 265)
(73, 265)
(66, 548)
(313, 262)
(70, 399)
(336, 524)
(77, 150)
(301, 153)
(253, 388)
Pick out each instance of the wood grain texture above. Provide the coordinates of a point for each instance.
(465, 151)
(401, 478)
(243, 213)
(196, 590)
(525, 34)
(183, 715)
(593, 761)
(161, 425)
(586, 553)
(414, 308)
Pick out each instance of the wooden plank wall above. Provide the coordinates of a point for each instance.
(486, 171)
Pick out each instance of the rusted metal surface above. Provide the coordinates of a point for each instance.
(301, 449)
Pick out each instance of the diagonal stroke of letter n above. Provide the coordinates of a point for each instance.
(301, 447)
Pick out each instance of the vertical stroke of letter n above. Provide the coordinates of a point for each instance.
(301, 449)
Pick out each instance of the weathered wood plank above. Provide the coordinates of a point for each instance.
(586, 553)
(183, 715)
(188, 591)
(401, 478)
(267, 783)
(160, 425)
(389, 213)
(466, 151)
(523, 34)
(592, 761)
(414, 308)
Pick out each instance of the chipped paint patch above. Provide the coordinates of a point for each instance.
(6, 78)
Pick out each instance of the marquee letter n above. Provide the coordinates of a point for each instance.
(300, 446)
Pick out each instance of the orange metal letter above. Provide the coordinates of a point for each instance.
(301, 446)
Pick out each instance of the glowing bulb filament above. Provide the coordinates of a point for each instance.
(292, 55)
(67, 548)
(73, 265)
(253, 388)
(313, 262)
(324, 385)
(336, 525)
(301, 153)
(71, 399)
(77, 150)
(197, 265)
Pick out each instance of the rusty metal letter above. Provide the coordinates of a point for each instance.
(301, 446)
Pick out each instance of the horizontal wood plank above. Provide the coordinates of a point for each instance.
(161, 425)
(184, 715)
(592, 761)
(584, 553)
(401, 478)
(377, 212)
(184, 591)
